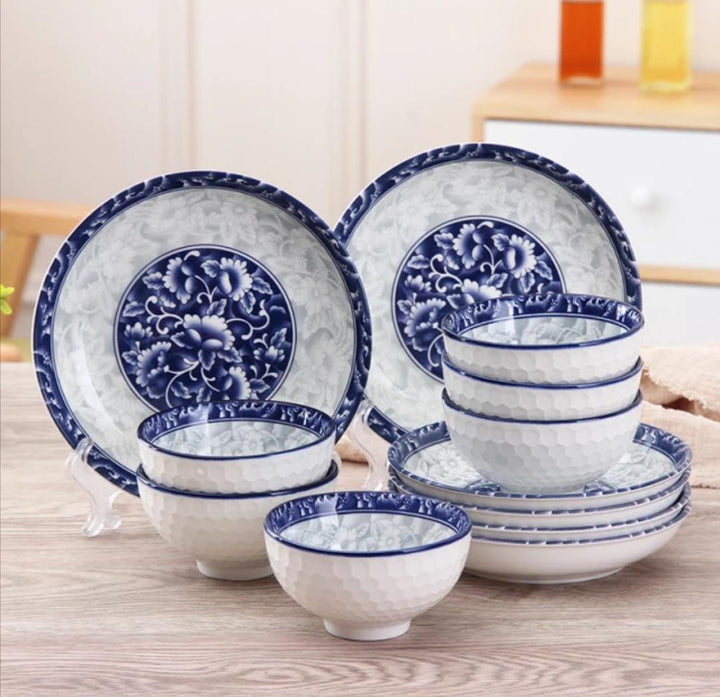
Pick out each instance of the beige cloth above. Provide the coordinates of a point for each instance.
(681, 387)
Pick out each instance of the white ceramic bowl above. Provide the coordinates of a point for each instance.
(530, 401)
(566, 562)
(541, 456)
(652, 470)
(236, 446)
(222, 532)
(367, 562)
(548, 339)
(642, 508)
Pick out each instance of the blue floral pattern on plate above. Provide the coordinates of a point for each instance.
(204, 323)
(464, 262)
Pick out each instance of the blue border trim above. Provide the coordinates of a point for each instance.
(670, 445)
(403, 487)
(347, 502)
(541, 385)
(448, 403)
(171, 420)
(455, 324)
(59, 410)
(328, 477)
(365, 200)
(684, 513)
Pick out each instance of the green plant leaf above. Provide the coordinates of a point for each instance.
(5, 307)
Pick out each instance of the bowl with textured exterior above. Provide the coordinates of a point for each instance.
(538, 402)
(645, 478)
(222, 532)
(643, 507)
(366, 562)
(567, 561)
(549, 339)
(541, 456)
(236, 446)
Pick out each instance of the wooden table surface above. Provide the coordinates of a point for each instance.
(124, 614)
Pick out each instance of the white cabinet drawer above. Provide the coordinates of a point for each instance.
(679, 314)
(664, 185)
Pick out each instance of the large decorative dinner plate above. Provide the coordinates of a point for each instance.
(196, 286)
(461, 224)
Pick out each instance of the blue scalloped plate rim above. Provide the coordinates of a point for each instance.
(366, 199)
(97, 458)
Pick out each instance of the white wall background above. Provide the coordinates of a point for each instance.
(315, 96)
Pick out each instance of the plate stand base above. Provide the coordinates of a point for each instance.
(372, 446)
(102, 492)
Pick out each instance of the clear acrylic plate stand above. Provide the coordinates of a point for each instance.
(372, 446)
(102, 492)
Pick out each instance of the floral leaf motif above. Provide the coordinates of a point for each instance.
(500, 241)
(130, 357)
(133, 309)
(217, 307)
(180, 390)
(207, 358)
(418, 262)
(231, 355)
(211, 267)
(404, 306)
(542, 269)
(260, 285)
(497, 279)
(527, 282)
(445, 240)
(258, 386)
(248, 302)
(279, 338)
(154, 280)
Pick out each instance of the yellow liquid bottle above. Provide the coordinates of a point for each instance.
(666, 45)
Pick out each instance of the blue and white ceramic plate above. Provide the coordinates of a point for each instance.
(189, 287)
(427, 460)
(462, 224)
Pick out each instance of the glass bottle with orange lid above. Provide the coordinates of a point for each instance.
(581, 41)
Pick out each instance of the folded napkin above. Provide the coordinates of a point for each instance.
(681, 387)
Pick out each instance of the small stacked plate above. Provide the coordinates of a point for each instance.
(620, 518)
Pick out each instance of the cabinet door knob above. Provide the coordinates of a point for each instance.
(642, 197)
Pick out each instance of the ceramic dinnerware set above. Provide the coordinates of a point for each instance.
(543, 446)
(232, 324)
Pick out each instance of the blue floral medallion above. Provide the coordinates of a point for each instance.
(204, 323)
(460, 263)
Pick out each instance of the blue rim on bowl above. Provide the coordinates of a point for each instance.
(164, 422)
(447, 363)
(331, 474)
(347, 502)
(456, 323)
(427, 436)
(498, 419)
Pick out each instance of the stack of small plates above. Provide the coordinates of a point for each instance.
(627, 514)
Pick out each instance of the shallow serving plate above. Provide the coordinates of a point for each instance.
(566, 562)
(462, 224)
(562, 518)
(427, 460)
(189, 287)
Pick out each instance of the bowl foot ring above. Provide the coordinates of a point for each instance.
(226, 572)
(376, 632)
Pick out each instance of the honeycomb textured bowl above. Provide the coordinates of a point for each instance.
(541, 456)
(548, 339)
(367, 562)
(222, 532)
(566, 562)
(237, 446)
(528, 401)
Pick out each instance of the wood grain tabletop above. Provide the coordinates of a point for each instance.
(124, 614)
